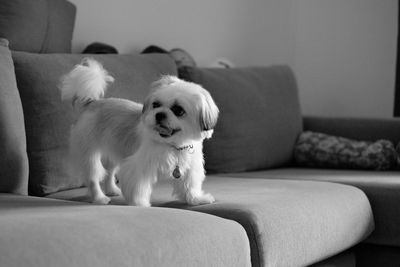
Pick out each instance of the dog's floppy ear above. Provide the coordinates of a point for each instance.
(208, 113)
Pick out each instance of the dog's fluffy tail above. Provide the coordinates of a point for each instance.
(85, 83)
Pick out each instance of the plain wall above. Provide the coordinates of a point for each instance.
(251, 32)
(345, 57)
(342, 51)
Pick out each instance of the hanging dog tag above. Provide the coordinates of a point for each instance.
(176, 173)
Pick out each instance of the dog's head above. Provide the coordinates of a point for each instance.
(177, 111)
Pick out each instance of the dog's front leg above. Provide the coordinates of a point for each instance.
(189, 188)
(96, 194)
(140, 192)
(136, 184)
(110, 186)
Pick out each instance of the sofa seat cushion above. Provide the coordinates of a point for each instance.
(47, 232)
(381, 188)
(289, 223)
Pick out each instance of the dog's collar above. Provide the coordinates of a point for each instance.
(189, 148)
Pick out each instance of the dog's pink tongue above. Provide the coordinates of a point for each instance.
(164, 130)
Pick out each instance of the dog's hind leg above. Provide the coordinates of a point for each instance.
(88, 165)
(87, 161)
(94, 173)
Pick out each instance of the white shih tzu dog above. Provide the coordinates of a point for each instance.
(139, 143)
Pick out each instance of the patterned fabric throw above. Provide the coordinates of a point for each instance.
(327, 151)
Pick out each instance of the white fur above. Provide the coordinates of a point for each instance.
(117, 137)
(86, 82)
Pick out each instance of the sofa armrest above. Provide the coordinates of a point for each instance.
(366, 129)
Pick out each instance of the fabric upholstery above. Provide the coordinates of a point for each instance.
(381, 188)
(46, 233)
(288, 223)
(48, 120)
(14, 161)
(356, 128)
(260, 117)
(60, 27)
(40, 26)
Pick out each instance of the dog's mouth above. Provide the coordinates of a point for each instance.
(165, 131)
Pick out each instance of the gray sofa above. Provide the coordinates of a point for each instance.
(268, 212)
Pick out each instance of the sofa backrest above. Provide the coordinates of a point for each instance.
(13, 160)
(39, 26)
(260, 117)
(48, 119)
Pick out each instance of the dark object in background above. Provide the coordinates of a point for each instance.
(100, 48)
(153, 49)
(180, 56)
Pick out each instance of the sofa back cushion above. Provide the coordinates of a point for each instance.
(48, 120)
(40, 26)
(259, 119)
(13, 161)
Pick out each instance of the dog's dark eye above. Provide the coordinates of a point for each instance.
(156, 104)
(178, 110)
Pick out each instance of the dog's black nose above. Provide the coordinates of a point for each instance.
(160, 116)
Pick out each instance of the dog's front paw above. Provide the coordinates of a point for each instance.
(144, 204)
(201, 199)
(138, 202)
(101, 200)
(113, 190)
